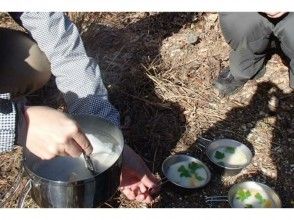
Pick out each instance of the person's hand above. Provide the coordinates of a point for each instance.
(137, 182)
(51, 133)
(274, 14)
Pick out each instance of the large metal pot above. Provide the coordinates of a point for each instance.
(65, 182)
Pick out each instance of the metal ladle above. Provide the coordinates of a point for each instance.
(89, 163)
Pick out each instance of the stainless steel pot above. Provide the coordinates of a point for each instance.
(65, 182)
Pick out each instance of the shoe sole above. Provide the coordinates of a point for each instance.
(221, 94)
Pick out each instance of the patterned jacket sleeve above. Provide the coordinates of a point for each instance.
(77, 75)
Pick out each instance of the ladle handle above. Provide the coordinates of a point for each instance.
(89, 163)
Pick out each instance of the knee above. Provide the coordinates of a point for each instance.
(287, 41)
(24, 67)
(237, 27)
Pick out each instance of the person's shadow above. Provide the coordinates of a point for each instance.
(151, 125)
(268, 102)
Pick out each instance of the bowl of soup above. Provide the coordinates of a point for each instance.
(249, 194)
(229, 154)
(252, 194)
(186, 171)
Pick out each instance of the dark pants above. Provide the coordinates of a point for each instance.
(249, 35)
(24, 68)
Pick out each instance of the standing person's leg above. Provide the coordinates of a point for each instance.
(284, 30)
(248, 34)
(23, 67)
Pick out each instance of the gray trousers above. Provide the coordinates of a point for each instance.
(249, 35)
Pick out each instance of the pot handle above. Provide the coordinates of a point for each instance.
(203, 142)
(209, 199)
(163, 181)
(24, 193)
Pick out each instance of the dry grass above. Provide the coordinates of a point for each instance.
(161, 84)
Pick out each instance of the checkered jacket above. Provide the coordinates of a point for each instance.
(77, 75)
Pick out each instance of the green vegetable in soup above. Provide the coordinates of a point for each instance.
(190, 171)
(200, 178)
(230, 150)
(184, 172)
(242, 194)
(194, 166)
(260, 199)
(219, 155)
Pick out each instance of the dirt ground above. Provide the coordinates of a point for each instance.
(158, 68)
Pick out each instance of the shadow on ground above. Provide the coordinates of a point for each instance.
(151, 126)
(268, 101)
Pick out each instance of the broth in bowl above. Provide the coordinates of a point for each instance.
(250, 194)
(187, 174)
(252, 198)
(230, 156)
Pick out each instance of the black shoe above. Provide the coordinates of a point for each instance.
(226, 84)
